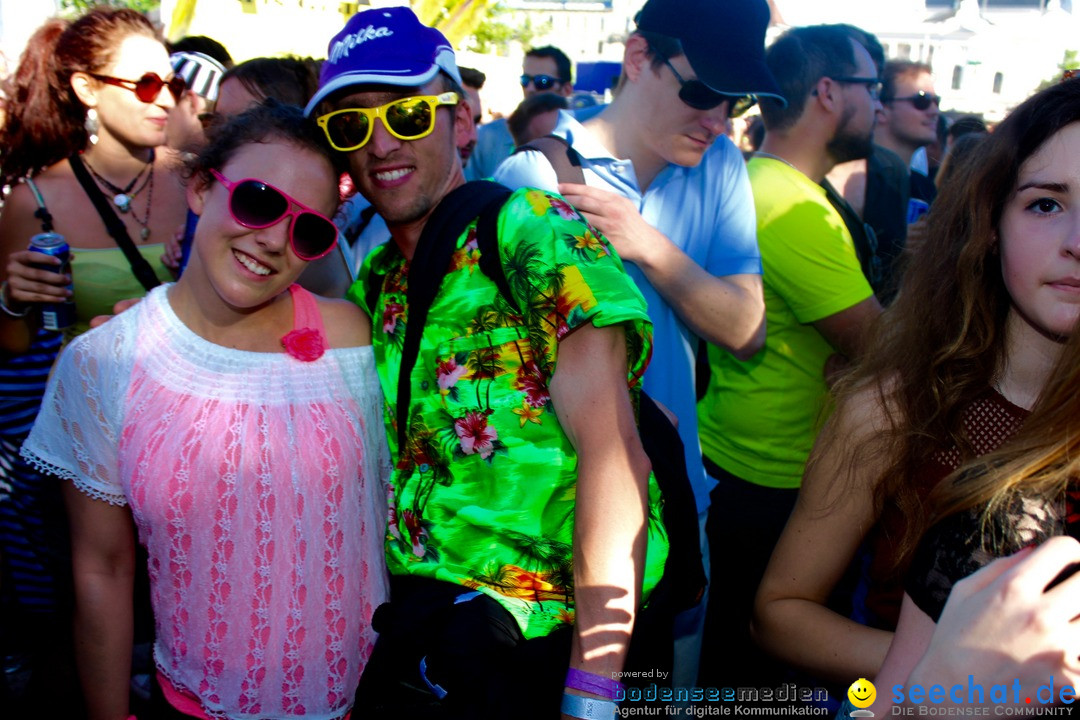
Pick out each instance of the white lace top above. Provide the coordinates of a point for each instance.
(257, 483)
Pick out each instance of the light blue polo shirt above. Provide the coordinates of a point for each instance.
(707, 211)
(494, 143)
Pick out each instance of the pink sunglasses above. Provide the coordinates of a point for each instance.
(257, 205)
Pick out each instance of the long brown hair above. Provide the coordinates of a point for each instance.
(44, 120)
(942, 342)
(1037, 464)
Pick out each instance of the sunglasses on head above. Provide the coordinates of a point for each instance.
(540, 82)
(257, 205)
(920, 100)
(409, 118)
(700, 96)
(148, 87)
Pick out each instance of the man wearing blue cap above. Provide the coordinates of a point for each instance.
(670, 191)
(524, 529)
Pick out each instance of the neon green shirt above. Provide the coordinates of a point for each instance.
(759, 418)
(485, 486)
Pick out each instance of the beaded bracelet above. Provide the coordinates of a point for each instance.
(595, 684)
(587, 708)
(4, 306)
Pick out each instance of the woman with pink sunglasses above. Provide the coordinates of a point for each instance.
(236, 418)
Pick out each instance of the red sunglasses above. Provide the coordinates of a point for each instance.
(257, 205)
(148, 87)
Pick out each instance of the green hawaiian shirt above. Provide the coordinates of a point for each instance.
(484, 488)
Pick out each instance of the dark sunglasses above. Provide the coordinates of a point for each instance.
(873, 85)
(257, 205)
(540, 82)
(148, 87)
(700, 96)
(920, 100)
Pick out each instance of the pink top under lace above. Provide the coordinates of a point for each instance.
(256, 481)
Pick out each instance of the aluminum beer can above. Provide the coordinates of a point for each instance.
(55, 316)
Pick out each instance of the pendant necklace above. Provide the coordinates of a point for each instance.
(144, 222)
(122, 196)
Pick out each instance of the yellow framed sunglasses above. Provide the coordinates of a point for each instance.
(408, 118)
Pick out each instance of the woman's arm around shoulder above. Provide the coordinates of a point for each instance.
(346, 324)
(834, 512)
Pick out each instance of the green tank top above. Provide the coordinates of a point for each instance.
(103, 276)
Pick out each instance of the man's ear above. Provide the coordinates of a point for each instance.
(636, 58)
(567, 89)
(84, 88)
(824, 93)
(464, 128)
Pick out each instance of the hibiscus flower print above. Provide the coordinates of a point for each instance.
(566, 210)
(476, 435)
(448, 373)
(418, 534)
(391, 313)
(532, 382)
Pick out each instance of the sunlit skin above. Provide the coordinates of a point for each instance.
(904, 128)
(533, 65)
(1040, 241)
(234, 98)
(405, 179)
(122, 115)
(236, 272)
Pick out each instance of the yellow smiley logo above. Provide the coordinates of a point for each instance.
(862, 693)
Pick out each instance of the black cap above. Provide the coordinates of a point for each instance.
(723, 40)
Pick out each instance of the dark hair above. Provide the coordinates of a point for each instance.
(562, 62)
(895, 69)
(290, 80)
(966, 124)
(269, 120)
(798, 59)
(205, 45)
(529, 108)
(44, 119)
(471, 77)
(870, 42)
(928, 367)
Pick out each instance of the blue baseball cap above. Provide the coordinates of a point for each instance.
(384, 46)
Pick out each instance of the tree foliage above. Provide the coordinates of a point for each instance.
(475, 21)
(1071, 61)
(77, 7)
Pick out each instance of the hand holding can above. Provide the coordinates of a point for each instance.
(46, 282)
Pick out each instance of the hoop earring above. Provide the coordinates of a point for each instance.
(91, 125)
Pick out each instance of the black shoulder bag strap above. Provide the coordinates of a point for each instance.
(565, 160)
(427, 268)
(143, 272)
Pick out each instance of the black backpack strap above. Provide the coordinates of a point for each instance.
(143, 272)
(563, 158)
(427, 268)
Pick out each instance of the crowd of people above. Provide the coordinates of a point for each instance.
(401, 415)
